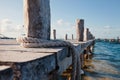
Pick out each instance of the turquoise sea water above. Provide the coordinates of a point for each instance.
(108, 56)
(109, 52)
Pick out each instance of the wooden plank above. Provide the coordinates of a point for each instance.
(44, 60)
(4, 68)
(8, 42)
(64, 64)
(17, 54)
(10, 56)
(21, 49)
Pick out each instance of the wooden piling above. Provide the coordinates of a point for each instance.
(86, 34)
(54, 34)
(90, 35)
(37, 24)
(37, 18)
(66, 37)
(72, 37)
(80, 29)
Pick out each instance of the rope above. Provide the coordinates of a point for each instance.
(29, 42)
(16, 72)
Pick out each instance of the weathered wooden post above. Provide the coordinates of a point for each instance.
(80, 29)
(86, 51)
(54, 34)
(80, 37)
(66, 37)
(90, 35)
(86, 34)
(72, 37)
(37, 23)
(37, 18)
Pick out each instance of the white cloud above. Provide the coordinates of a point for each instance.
(6, 21)
(19, 27)
(107, 27)
(63, 27)
(9, 28)
(6, 25)
(105, 31)
(60, 22)
(68, 24)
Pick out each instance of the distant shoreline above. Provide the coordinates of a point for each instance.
(6, 38)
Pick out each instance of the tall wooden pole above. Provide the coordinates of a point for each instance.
(66, 37)
(80, 29)
(54, 34)
(37, 18)
(72, 37)
(86, 34)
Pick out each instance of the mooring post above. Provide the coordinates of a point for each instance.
(72, 37)
(37, 18)
(82, 59)
(87, 53)
(80, 37)
(54, 34)
(90, 35)
(66, 37)
(86, 34)
(80, 29)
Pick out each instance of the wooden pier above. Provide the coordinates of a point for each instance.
(38, 57)
(37, 63)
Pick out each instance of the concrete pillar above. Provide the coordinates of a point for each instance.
(37, 18)
(80, 29)
(86, 34)
(54, 34)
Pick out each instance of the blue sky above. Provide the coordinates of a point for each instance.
(101, 17)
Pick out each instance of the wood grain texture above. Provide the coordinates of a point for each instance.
(37, 18)
(80, 29)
